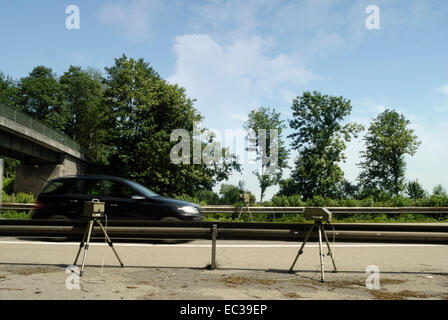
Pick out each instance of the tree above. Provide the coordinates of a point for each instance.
(439, 190)
(145, 110)
(415, 190)
(83, 97)
(320, 137)
(8, 90)
(388, 140)
(230, 194)
(40, 94)
(10, 166)
(261, 123)
(288, 187)
(208, 196)
(347, 190)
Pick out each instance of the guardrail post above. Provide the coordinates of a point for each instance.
(214, 235)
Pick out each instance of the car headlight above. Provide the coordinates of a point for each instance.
(189, 210)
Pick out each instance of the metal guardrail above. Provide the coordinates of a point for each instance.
(138, 229)
(144, 230)
(341, 210)
(38, 126)
(283, 210)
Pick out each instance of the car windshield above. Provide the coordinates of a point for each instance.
(143, 190)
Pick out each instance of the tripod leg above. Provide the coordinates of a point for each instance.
(109, 241)
(301, 248)
(81, 245)
(239, 215)
(321, 253)
(329, 249)
(86, 247)
(250, 214)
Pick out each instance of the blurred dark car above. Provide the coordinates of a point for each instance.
(63, 198)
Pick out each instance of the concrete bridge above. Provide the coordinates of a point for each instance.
(43, 152)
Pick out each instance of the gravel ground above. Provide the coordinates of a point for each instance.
(49, 282)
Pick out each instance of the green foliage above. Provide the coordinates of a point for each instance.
(388, 140)
(10, 167)
(288, 187)
(13, 214)
(18, 198)
(40, 94)
(8, 185)
(145, 110)
(83, 92)
(207, 196)
(188, 198)
(320, 137)
(230, 194)
(8, 90)
(439, 190)
(259, 125)
(415, 191)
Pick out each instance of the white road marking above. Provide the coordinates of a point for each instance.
(223, 245)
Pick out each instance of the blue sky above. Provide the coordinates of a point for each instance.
(233, 56)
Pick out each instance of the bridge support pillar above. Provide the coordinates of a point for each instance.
(31, 178)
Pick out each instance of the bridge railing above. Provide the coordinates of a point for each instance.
(38, 126)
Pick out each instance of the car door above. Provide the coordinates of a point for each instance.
(122, 201)
(61, 198)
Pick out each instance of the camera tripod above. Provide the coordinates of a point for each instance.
(321, 230)
(86, 236)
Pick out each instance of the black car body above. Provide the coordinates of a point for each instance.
(63, 198)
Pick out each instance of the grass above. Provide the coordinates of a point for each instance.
(13, 214)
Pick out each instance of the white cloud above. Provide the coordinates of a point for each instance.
(240, 117)
(133, 19)
(232, 80)
(444, 89)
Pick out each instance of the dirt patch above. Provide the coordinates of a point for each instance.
(402, 295)
(292, 295)
(345, 284)
(140, 283)
(10, 289)
(391, 281)
(234, 281)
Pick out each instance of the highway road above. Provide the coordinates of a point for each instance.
(36, 269)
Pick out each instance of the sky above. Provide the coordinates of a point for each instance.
(238, 55)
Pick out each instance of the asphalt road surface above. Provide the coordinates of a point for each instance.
(36, 269)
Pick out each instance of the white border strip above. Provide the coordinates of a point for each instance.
(221, 245)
